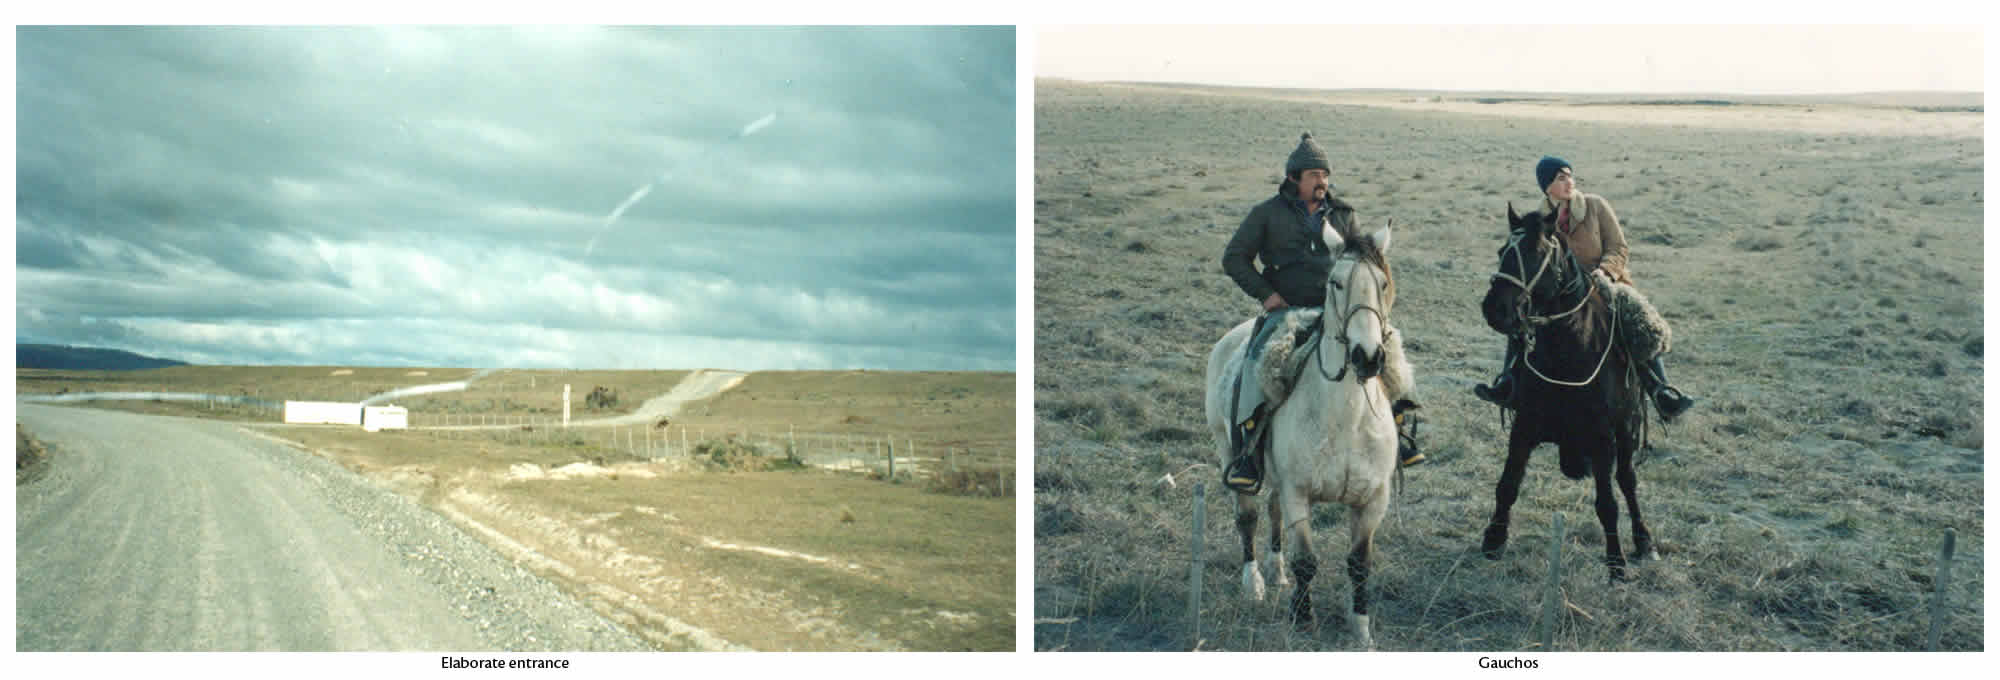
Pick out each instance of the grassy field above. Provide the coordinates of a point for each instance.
(1821, 264)
(679, 549)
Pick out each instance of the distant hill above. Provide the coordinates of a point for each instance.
(65, 357)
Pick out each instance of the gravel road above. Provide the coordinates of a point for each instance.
(158, 533)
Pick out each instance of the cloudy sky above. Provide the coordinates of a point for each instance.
(446, 196)
(1548, 57)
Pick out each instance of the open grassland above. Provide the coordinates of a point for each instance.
(694, 552)
(1824, 281)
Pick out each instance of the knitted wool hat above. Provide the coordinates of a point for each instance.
(1545, 171)
(1307, 157)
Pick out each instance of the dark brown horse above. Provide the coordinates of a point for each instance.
(1574, 383)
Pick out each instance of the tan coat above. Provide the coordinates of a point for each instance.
(1594, 235)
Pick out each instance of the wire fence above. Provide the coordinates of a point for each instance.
(887, 455)
(975, 467)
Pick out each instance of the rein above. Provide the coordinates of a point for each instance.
(1533, 322)
(1609, 343)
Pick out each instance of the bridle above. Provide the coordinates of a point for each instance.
(1550, 245)
(1530, 322)
(1333, 280)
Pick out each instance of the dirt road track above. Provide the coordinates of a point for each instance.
(156, 533)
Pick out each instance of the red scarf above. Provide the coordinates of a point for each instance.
(1562, 219)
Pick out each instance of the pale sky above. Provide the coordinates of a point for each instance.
(1536, 58)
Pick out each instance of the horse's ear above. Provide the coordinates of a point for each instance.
(1381, 237)
(1513, 220)
(1334, 243)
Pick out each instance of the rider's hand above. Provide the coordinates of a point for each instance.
(1274, 302)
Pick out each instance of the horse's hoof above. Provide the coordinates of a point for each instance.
(1280, 576)
(1253, 582)
(1495, 544)
(1618, 574)
(1302, 616)
(1362, 638)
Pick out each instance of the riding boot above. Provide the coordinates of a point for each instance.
(1670, 401)
(1245, 474)
(1502, 391)
(1407, 451)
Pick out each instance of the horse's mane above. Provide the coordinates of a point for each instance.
(1371, 253)
(1594, 318)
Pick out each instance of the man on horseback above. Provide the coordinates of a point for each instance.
(1284, 232)
(1590, 230)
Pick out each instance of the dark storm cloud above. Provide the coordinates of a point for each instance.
(429, 195)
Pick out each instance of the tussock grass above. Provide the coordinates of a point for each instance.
(1798, 507)
(31, 457)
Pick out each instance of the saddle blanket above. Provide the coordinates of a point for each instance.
(1646, 332)
(1291, 345)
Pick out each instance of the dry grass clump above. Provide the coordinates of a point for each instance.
(733, 455)
(31, 458)
(973, 480)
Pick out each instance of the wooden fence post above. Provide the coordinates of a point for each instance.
(1938, 606)
(1551, 594)
(892, 461)
(1195, 569)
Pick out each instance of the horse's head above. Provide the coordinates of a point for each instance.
(1359, 294)
(1537, 276)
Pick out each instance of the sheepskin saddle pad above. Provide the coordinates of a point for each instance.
(1646, 332)
(1285, 353)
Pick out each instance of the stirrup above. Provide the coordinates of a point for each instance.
(1493, 394)
(1242, 475)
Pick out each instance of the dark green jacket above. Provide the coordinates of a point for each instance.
(1295, 258)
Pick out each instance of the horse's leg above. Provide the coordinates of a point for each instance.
(1297, 516)
(1628, 483)
(1246, 526)
(1520, 443)
(1607, 513)
(1274, 557)
(1360, 557)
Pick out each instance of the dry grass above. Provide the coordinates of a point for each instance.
(31, 458)
(1826, 314)
(918, 553)
(949, 409)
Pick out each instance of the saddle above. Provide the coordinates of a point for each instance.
(1285, 354)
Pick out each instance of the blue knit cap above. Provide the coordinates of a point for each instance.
(1545, 171)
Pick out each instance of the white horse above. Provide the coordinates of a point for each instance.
(1334, 438)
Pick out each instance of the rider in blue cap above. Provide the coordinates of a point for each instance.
(1590, 229)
